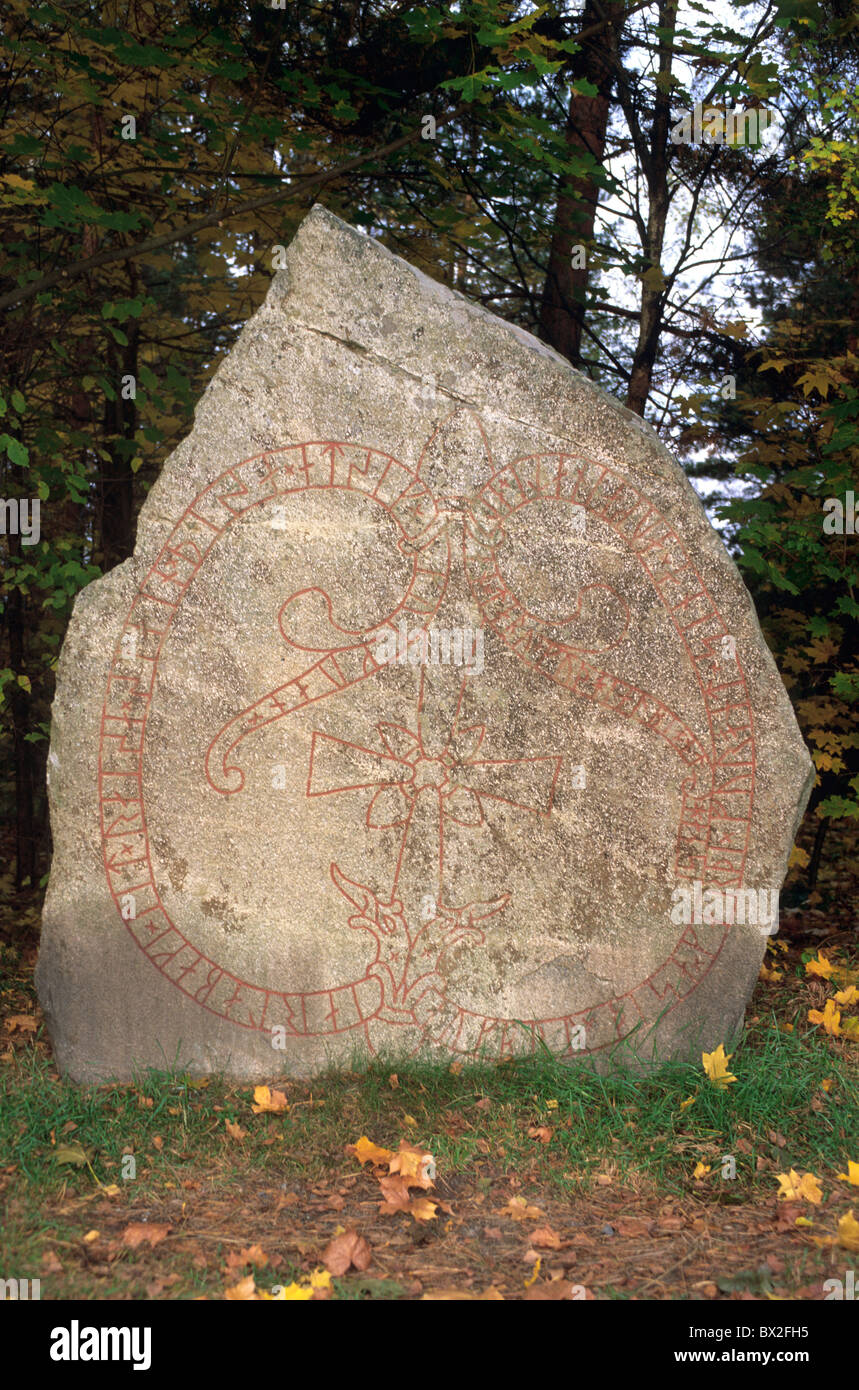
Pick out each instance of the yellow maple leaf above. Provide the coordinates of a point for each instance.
(367, 1152)
(716, 1066)
(848, 1232)
(415, 1165)
(320, 1279)
(820, 966)
(701, 1170)
(829, 1017)
(852, 1174)
(771, 976)
(826, 1084)
(288, 1293)
(847, 997)
(267, 1101)
(805, 1188)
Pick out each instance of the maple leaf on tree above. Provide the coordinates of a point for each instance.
(716, 1067)
(829, 1016)
(267, 1101)
(792, 1187)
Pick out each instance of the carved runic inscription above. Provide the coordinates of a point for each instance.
(430, 779)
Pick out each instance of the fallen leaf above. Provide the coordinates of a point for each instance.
(701, 1170)
(26, 1023)
(847, 997)
(415, 1165)
(289, 1293)
(50, 1263)
(455, 1068)
(243, 1291)
(544, 1238)
(805, 1188)
(253, 1255)
(345, 1252)
(690, 1100)
(716, 1067)
(270, 1102)
(393, 1081)
(144, 1233)
(90, 1237)
(71, 1153)
(158, 1142)
(829, 1017)
(541, 1132)
(848, 1232)
(367, 1152)
(852, 1174)
(235, 1131)
(519, 1210)
(820, 966)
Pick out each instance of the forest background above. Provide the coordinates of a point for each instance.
(155, 156)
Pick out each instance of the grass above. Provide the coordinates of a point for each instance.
(589, 1147)
(635, 1124)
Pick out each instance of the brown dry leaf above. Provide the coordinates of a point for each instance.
(455, 1068)
(345, 1252)
(490, 1295)
(483, 1104)
(541, 1132)
(553, 1291)
(158, 1142)
(335, 1202)
(270, 1102)
(519, 1210)
(395, 1189)
(367, 1152)
(144, 1233)
(633, 1226)
(235, 1131)
(50, 1263)
(253, 1255)
(544, 1238)
(26, 1023)
(393, 1081)
(244, 1290)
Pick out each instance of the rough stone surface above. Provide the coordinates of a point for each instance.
(285, 835)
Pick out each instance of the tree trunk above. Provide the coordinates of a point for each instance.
(562, 308)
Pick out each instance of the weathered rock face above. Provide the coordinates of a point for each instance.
(430, 713)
